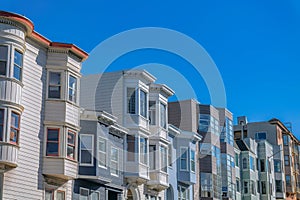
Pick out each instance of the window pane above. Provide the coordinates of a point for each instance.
(71, 138)
(15, 120)
(163, 113)
(152, 112)
(72, 88)
(71, 152)
(86, 149)
(143, 103)
(86, 157)
(54, 78)
(114, 154)
(3, 68)
(84, 194)
(54, 92)
(3, 52)
(131, 100)
(52, 149)
(17, 72)
(49, 195)
(18, 58)
(53, 135)
(95, 196)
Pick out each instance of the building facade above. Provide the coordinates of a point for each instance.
(39, 112)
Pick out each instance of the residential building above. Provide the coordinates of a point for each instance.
(275, 151)
(140, 106)
(101, 154)
(39, 112)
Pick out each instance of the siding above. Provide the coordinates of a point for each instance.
(29, 171)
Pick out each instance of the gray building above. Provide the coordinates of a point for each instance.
(101, 158)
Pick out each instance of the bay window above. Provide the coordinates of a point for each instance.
(18, 65)
(52, 147)
(114, 164)
(163, 115)
(152, 112)
(131, 100)
(1, 123)
(54, 88)
(86, 150)
(143, 151)
(72, 88)
(102, 152)
(163, 159)
(3, 60)
(14, 128)
(71, 144)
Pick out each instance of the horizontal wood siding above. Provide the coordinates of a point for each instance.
(72, 114)
(55, 111)
(26, 181)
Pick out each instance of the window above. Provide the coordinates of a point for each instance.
(206, 185)
(258, 187)
(131, 100)
(60, 195)
(170, 155)
(193, 161)
(86, 149)
(262, 165)
(245, 187)
(183, 158)
(163, 159)
(71, 144)
(252, 187)
(261, 136)
(237, 160)
(131, 146)
(286, 160)
(14, 128)
(84, 194)
(163, 113)
(278, 186)
(102, 152)
(52, 142)
(277, 166)
(183, 193)
(152, 151)
(114, 164)
(49, 194)
(95, 195)
(1, 123)
(18, 65)
(288, 181)
(286, 140)
(152, 112)
(204, 123)
(72, 88)
(238, 185)
(245, 163)
(252, 164)
(54, 89)
(263, 187)
(3, 60)
(143, 151)
(143, 103)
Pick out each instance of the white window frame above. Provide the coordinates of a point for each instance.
(92, 152)
(116, 161)
(102, 152)
(163, 158)
(161, 104)
(182, 150)
(20, 67)
(6, 60)
(95, 192)
(140, 108)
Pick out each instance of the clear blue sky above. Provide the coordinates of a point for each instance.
(255, 44)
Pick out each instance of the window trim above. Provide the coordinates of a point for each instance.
(92, 152)
(140, 90)
(193, 171)
(104, 152)
(72, 145)
(161, 104)
(52, 190)
(117, 161)
(58, 150)
(187, 158)
(14, 64)
(60, 191)
(86, 189)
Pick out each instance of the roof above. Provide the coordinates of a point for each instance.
(242, 145)
(31, 33)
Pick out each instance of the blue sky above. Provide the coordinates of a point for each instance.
(255, 44)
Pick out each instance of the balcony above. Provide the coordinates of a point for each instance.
(158, 180)
(136, 172)
(8, 156)
(61, 168)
